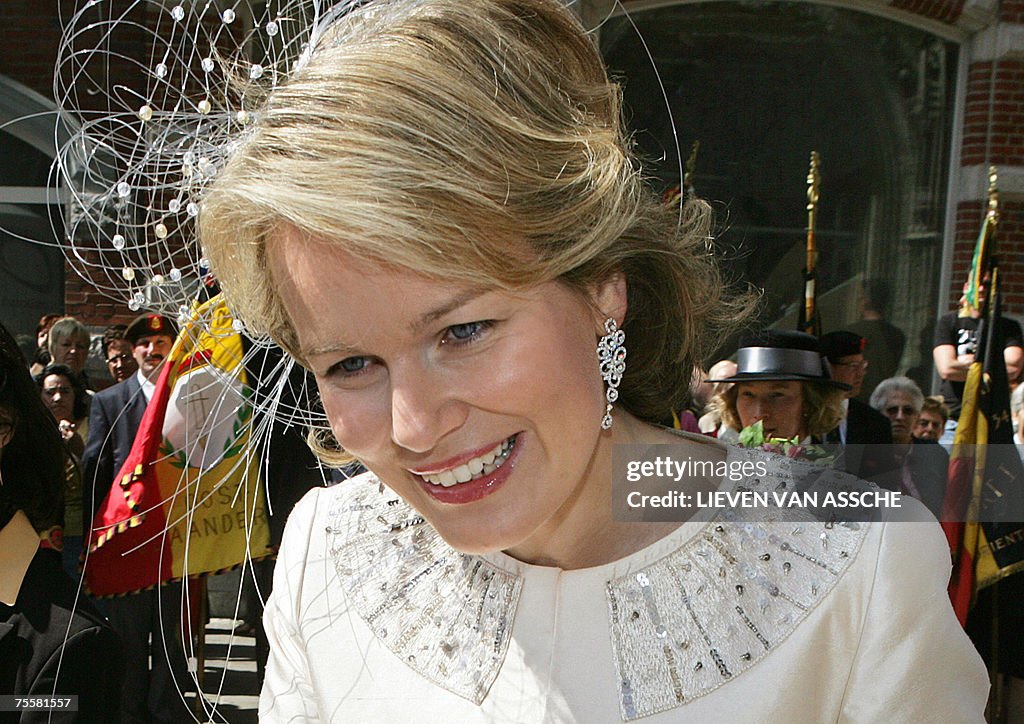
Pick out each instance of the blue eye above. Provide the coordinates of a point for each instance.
(464, 333)
(350, 366)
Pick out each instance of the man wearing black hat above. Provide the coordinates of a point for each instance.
(862, 425)
(865, 433)
(114, 420)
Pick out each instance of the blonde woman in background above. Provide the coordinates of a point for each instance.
(69, 345)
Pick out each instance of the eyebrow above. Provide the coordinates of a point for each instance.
(415, 327)
(447, 308)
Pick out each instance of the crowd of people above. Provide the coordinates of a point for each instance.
(95, 431)
(797, 387)
(469, 343)
(892, 441)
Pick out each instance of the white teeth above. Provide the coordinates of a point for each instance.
(447, 479)
(474, 468)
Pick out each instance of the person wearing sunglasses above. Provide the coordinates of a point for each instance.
(117, 351)
(921, 465)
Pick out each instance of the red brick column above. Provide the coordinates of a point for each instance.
(993, 134)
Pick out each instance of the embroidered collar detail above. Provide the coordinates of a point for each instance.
(704, 614)
(680, 627)
(446, 614)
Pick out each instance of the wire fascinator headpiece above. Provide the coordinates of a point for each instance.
(154, 96)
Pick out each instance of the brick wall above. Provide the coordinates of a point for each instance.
(1009, 248)
(31, 32)
(946, 11)
(1011, 255)
(993, 134)
(1011, 11)
(994, 114)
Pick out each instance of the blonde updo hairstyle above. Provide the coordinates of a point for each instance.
(470, 141)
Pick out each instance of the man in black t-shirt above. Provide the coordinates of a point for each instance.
(956, 345)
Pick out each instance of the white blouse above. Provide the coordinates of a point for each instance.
(738, 616)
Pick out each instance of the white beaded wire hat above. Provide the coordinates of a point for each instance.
(155, 89)
(155, 95)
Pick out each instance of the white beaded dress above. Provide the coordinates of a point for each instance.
(736, 616)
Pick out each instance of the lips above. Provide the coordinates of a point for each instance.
(473, 468)
(457, 483)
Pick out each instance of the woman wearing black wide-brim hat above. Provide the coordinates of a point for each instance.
(782, 381)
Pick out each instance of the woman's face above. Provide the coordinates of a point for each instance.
(899, 408)
(778, 404)
(71, 351)
(59, 397)
(431, 383)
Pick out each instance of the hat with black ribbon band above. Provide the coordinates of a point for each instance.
(778, 355)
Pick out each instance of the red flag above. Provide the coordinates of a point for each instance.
(187, 500)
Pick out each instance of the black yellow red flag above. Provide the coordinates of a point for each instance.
(984, 497)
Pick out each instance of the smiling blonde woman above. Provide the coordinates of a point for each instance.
(439, 215)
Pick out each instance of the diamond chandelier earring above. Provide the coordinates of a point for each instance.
(611, 353)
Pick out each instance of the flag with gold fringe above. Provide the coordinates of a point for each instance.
(984, 498)
(984, 503)
(188, 500)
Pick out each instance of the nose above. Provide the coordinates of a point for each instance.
(423, 409)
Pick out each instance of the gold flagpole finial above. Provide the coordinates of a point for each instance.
(809, 318)
(813, 184)
(993, 195)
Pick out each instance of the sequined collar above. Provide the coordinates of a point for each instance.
(686, 615)
(446, 614)
(699, 617)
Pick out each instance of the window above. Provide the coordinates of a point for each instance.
(761, 85)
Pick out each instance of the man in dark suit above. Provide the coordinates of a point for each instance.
(147, 622)
(864, 433)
